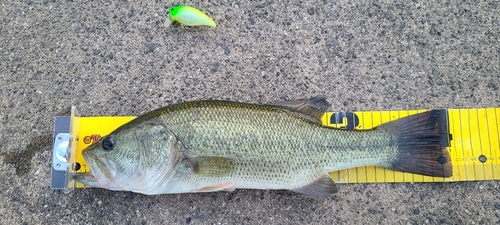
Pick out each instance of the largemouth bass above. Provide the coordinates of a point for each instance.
(209, 146)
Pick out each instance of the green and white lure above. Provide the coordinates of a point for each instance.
(188, 16)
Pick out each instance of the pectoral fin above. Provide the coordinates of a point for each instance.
(321, 187)
(209, 165)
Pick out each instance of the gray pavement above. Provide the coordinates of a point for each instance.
(115, 58)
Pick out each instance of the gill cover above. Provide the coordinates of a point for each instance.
(142, 157)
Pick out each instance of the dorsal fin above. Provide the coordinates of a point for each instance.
(314, 107)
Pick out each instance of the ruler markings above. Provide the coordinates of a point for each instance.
(480, 114)
(454, 142)
(457, 141)
(489, 117)
(484, 136)
(472, 141)
(488, 159)
(482, 165)
(449, 115)
(496, 156)
(463, 144)
(471, 145)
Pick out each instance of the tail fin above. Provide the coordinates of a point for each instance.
(422, 140)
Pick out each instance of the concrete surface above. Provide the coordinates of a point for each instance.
(115, 58)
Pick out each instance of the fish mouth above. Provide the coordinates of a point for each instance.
(100, 168)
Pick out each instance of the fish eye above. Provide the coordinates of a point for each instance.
(108, 143)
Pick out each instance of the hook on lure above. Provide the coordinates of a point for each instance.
(188, 16)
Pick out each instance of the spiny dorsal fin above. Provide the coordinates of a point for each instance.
(321, 187)
(209, 165)
(314, 107)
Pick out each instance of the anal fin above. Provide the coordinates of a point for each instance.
(322, 187)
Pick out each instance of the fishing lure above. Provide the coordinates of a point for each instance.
(188, 16)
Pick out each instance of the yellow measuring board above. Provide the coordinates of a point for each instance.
(474, 139)
(474, 146)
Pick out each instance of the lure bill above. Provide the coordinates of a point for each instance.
(188, 16)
